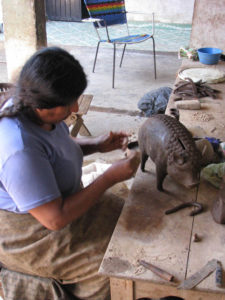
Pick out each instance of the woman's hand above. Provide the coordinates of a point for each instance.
(59, 212)
(124, 168)
(112, 141)
(103, 143)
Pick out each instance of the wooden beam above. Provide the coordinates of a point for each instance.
(121, 289)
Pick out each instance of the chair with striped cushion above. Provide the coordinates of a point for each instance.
(105, 13)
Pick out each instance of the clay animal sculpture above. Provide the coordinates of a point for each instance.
(218, 208)
(171, 147)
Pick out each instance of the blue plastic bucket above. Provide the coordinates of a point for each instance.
(209, 56)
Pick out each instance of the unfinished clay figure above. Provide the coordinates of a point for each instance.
(172, 148)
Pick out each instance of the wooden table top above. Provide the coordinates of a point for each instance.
(144, 232)
(211, 117)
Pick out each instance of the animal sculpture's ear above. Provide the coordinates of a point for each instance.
(180, 158)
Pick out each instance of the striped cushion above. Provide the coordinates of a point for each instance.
(113, 12)
(130, 39)
(106, 8)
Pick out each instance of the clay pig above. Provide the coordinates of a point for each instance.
(171, 147)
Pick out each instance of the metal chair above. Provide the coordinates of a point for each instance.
(105, 13)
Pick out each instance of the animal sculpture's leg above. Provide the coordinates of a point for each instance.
(144, 158)
(160, 176)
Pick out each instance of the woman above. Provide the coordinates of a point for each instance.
(49, 225)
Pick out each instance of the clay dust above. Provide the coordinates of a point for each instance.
(202, 117)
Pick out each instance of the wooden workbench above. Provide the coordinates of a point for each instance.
(144, 232)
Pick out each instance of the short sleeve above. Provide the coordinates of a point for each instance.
(29, 179)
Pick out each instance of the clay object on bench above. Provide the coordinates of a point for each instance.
(171, 147)
(218, 208)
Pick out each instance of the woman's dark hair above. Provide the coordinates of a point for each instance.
(51, 77)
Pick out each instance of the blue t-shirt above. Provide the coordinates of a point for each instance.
(36, 166)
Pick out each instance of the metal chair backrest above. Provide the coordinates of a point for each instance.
(109, 12)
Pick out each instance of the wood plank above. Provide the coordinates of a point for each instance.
(84, 103)
(75, 128)
(121, 289)
(153, 290)
(84, 131)
(75, 121)
(145, 232)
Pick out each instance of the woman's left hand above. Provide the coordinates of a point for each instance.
(112, 141)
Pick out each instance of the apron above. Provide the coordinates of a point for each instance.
(71, 255)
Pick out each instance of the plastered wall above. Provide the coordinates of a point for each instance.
(1, 11)
(24, 30)
(168, 11)
(208, 24)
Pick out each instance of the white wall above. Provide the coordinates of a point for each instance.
(168, 11)
(208, 24)
(0, 11)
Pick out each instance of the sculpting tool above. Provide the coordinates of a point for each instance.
(219, 275)
(161, 273)
(197, 277)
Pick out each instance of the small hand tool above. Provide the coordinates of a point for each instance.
(219, 275)
(186, 204)
(188, 104)
(161, 273)
(197, 277)
(164, 298)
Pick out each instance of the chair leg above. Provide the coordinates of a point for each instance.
(122, 55)
(153, 41)
(114, 64)
(96, 54)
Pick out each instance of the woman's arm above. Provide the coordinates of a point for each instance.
(103, 143)
(60, 212)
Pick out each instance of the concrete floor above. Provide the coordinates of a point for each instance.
(116, 109)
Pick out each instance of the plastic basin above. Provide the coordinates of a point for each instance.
(209, 56)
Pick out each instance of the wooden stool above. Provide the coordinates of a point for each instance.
(75, 121)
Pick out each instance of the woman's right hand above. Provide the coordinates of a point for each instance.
(124, 168)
